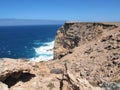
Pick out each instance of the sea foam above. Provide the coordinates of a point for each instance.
(44, 52)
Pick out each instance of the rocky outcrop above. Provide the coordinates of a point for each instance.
(12, 68)
(74, 34)
(46, 77)
(95, 55)
(74, 82)
(12, 71)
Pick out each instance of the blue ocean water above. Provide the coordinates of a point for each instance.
(30, 42)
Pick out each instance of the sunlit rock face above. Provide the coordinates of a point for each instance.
(74, 34)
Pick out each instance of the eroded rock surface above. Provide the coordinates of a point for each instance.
(95, 55)
(72, 35)
(91, 52)
(12, 68)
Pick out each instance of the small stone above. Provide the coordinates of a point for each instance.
(56, 71)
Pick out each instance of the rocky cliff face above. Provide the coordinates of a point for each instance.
(87, 58)
(72, 35)
(91, 49)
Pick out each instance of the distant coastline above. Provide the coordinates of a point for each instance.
(19, 22)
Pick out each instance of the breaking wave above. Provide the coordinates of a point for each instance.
(44, 52)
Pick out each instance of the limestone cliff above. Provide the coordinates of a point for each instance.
(87, 58)
(91, 49)
(73, 34)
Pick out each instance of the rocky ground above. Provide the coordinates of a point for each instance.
(87, 57)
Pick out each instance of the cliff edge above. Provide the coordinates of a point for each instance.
(86, 57)
(91, 49)
(74, 34)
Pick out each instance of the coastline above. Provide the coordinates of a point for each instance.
(91, 63)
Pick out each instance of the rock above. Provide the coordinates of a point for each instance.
(111, 41)
(88, 51)
(92, 54)
(3, 86)
(56, 71)
(72, 82)
(18, 88)
(73, 34)
(95, 51)
(111, 86)
(12, 68)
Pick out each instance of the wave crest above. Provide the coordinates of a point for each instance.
(44, 52)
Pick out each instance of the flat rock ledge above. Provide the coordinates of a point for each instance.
(12, 68)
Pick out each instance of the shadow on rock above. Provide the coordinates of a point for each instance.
(10, 81)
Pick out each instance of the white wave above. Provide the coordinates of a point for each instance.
(44, 53)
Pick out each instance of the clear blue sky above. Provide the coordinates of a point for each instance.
(83, 10)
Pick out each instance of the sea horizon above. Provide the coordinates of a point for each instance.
(29, 22)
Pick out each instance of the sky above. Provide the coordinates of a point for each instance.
(78, 10)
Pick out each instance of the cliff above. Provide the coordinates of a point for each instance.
(91, 49)
(87, 57)
(72, 35)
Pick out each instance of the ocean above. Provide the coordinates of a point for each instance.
(29, 42)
